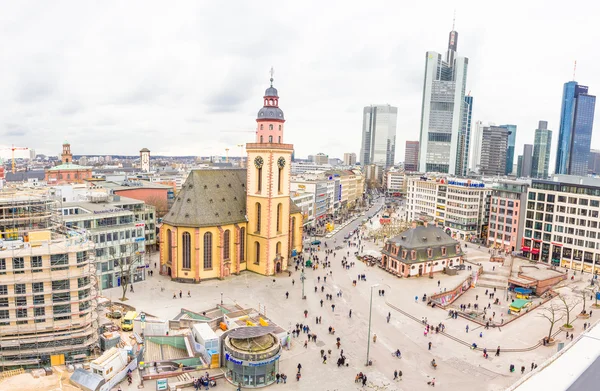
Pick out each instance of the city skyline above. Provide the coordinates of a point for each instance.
(115, 90)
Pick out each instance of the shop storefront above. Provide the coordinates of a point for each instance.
(251, 368)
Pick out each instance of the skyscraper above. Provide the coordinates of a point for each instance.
(494, 141)
(349, 159)
(444, 112)
(510, 149)
(575, 131)
(475, 147)
(541, 151)
(527, 157)
(379, 135)
(411, 156)
(462, 157)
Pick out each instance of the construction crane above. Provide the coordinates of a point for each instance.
(13, 149)
(226, 155)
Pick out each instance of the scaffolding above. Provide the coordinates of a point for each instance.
(48, 284)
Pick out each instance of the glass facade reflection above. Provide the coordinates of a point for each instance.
(252, 361)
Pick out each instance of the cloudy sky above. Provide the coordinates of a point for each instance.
(187, 78)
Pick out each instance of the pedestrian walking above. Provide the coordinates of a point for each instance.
(467, 328)
(287, 294)
(395, 374)
(350, 313)
(321, 302)
(180, 294)
(498, 351)
(429, 346)
(333, 308)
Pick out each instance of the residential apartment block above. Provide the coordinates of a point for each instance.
(507, 215)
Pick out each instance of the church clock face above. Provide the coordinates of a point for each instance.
(281, 162)
(258, 162)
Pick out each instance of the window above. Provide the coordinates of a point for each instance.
(280, 129)
(257, 207)
(256, 253)
(242, 244)
(270, 139)
(259, 179)
(21, 312)
(3, 289)
(208, 250)
(62, 312)
(2, 266)
(37, 287)
(4, 314)
(36, 264)
(279, 213)
(4, 302)
(59, 262)
(169, 247)
(60, 285)
(293, 233)
(39, 313)
(186, 242)
(278, 248)
(38, 299)
(270, 126)
(226, 243)
(18, 265)
(81, 257)
(279, 177)
(83, 281)
(19, 289)
(21, 301)
(61, 297)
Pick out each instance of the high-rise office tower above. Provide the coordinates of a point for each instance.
(464, 138)
(411, 156)
(526, 162)
(443, 111)
(494, 141)
(349, 159)
(475, 147)
(519, 166)
(541, 151)
(594, 162)
(575, 131)
(379, 135)
(510, 149)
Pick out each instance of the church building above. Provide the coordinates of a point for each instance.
(67, 172)
(225, 221)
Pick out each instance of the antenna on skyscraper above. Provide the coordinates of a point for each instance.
(574, 69)
(453, 19)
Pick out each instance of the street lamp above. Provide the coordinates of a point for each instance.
(370, 313)
(221, 298)
(302, 278)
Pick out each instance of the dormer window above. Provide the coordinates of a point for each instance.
(429, 253)
(444, 251)
(413, 255)
(403, 254)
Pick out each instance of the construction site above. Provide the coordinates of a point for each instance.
(47, 284)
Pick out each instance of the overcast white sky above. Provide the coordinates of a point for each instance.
(113, 77)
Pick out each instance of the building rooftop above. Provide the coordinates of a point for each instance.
(131, 185)
(423, 237)
(209, 198)
(69, 166)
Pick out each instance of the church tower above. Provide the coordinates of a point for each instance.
(268, 190)
(66, 156)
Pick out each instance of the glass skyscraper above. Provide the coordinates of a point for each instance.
(575, 132)
(541, 151)
(444, 137)
(379, 135)
(510, 149)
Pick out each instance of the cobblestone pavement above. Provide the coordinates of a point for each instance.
(459, 367)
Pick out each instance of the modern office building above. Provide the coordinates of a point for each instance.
(475, 147)
(321, 158)
(525, 162)
(594, 162)
(575, 131)
(510, 149)
(562, 221)
(507, 215)
(444, 111)
(47, 284)
(494, 142)
(394, 182)
(349, 159)
(541, 151)
(411, 156)
(379, 135)
(460, 206)
(462, 157)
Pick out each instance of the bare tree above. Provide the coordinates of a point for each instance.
(568, 307)
(160, 204)
(552, 315)
(126, 266)
(584, 294)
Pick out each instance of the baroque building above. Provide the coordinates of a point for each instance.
(229, 220)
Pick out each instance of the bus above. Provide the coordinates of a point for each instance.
(127, 321)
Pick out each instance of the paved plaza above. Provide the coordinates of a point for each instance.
(459, 367)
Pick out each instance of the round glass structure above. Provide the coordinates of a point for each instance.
(251, 356)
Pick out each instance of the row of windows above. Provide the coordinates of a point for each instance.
(186, 242)
(57, 262)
